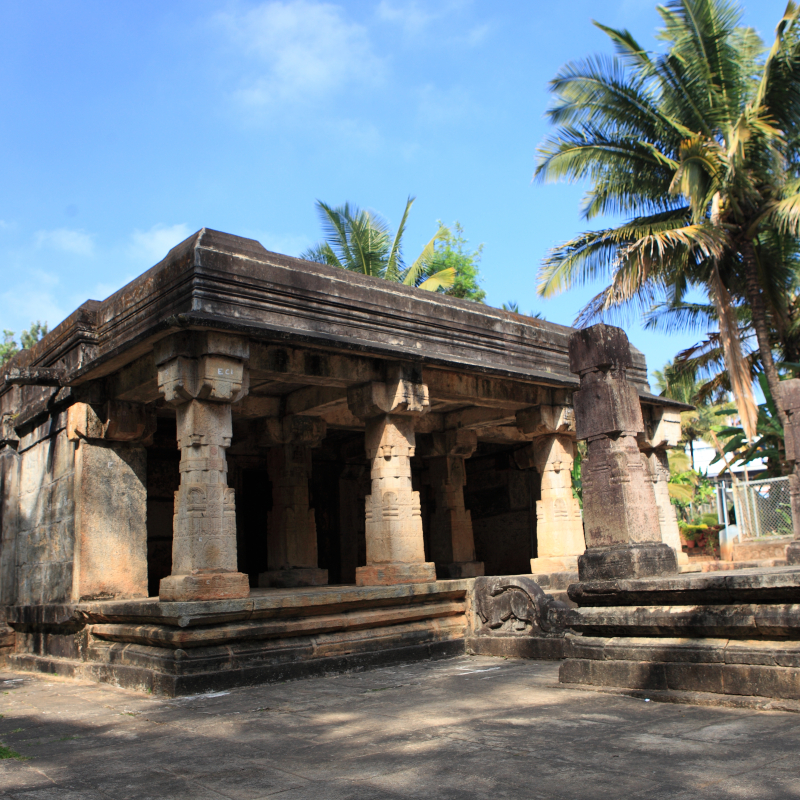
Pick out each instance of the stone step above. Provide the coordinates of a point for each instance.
(553, 581)
(740, 621)
(763, 585)
(714, 665)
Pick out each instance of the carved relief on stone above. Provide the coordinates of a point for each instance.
(204, 560)
(621, 524)
(559, 523)
(395, 547)
(515, 606)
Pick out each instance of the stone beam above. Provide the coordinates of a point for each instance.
(315, 400)
(478, 417)
(303, 365)
(458, 387)
(507, 434)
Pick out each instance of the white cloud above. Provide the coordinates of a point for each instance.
(149, 247)
(414, 17)
(67, 240)
(303, 50)
(410, 16)
(25, 303)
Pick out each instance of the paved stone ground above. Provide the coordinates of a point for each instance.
(461, 728)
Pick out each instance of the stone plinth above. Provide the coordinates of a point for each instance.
(623, 535)
(395, 546)
(181, 648)
(723, 634)
(201, 375)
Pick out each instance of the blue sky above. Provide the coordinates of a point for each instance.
(128, 126)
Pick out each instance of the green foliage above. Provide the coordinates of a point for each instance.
(450, 252)
(7, 752)
(28, 339)
(577, 483)
(696, 147)
(770, 442)
(686, 485)
(361, 241)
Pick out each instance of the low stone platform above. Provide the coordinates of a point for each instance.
(735, 633)
(177, 648)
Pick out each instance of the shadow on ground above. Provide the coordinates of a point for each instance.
(461, 728)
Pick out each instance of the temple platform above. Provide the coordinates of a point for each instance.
(180, 648)
(726, 634)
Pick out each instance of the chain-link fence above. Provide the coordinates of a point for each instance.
(762, 508)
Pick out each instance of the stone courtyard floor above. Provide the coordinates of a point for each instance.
(460, 728)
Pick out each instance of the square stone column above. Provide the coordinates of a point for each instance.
(395, 547)
(790, 399)
(662, 431)
(452, 540)
(110, 494)
(291, 526)
(201, 374)
(623, 535)
(559, 523)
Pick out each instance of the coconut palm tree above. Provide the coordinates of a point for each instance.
(697, 147)
(362, 241)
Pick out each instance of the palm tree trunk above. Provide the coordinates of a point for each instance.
(758, 311)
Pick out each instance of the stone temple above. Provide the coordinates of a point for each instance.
(245, 467)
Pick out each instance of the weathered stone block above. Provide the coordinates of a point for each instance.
(110, 521)
(605, 405)
(599, 347)
(627, 561)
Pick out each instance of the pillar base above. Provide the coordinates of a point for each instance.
(793, 552)
(201, 585)
(389, 574)
(297, 576)
(554, 564)
(459, 569)
(627, 561)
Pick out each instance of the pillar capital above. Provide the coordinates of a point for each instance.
(114, 421)
(662, 428)
(202, 366)
(403, 393)
(546, 419)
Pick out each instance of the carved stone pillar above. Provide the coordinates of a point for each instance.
(623, 536)
(395, 548)
(452, 541)
(291, 527)
(790, 399)
(201, 374)
(663, 430)
(559, 524)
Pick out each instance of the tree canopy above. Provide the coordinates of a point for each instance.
(697, 147)
(361, 241)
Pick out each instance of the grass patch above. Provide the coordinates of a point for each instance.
(7, 752)
(67, 738)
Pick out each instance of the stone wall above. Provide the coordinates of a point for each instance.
(40, 539)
